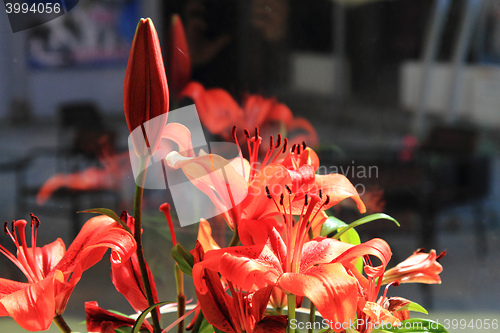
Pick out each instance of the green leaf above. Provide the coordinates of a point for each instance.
(110, 213)
(123, 329)
(330, 225)
(183, 258)
(352, 237)
(412, 306)
(140, 319)
(206, 327)
(120, 314)
(415, 325)
(364, 220)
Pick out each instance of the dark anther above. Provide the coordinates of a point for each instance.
(396, 284)
(268, 193)
(420, 250)
(234, 132)
(6, 228)
(285, 144)
(247, 134)
(293, 148)
(278, 141)
(320, 194)
(441, 255)
(34, 220)
(256, 132)
(327, 200)
(281, 199)
(271, 142)
(298, 149)
(288, 189)
(305, 202)
(304, 146)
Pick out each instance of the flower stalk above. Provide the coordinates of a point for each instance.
(291, 312)
(139, 190)
(61, 324)
(181, 297)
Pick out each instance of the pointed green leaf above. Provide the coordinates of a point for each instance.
(123, 329)
(330, 225)
(364, 220)
(140, 319)
(110, 213)
(183, 258)
(412, 306)
(121, 314)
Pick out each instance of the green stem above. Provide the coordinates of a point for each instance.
(235, 241)
(61, 324)
(312, 316)
(291, 312)
(139, 190)
(181, 298)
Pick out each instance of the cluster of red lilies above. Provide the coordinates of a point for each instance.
(284, 246)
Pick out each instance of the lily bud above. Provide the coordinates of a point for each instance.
(145, 91)
(179, 61)
(420, 267)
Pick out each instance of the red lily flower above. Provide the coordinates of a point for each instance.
(100, 320)
(179, 61)
(145, 92)
(238, 187)
(314, 268)
(420, 267)
(53, 272)
(127, 276)
(240, 312)
(217, 110)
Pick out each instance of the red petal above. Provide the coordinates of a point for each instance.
(251, 267)
(257, 205)
(218, 111)
(375, 247)
(100, 320)
(338, 188)
(256, 110)
(96, 236)
(282, 113)
(320, 251)
(50, 255)
(181, 135)
(145, 91)
(32, 307)
(329, 287)
(128, 281)
(179, 62)
(214, 301)
(205, 236)
(272, 324)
